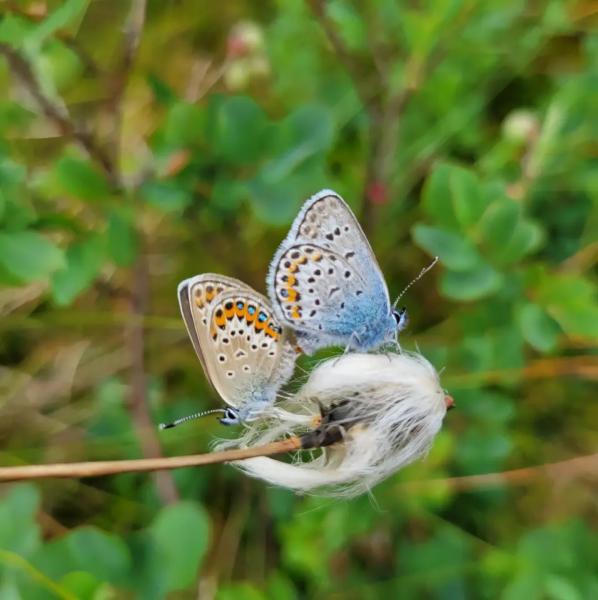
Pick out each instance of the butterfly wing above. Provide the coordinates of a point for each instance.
(196, 297)
(324, 278)
(245, 356)
(249, 355)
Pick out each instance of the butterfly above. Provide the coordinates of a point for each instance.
(325, 282)
(245, 352)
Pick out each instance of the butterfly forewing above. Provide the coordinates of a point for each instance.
(196, 296)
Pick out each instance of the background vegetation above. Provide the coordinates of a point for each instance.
(143, 144)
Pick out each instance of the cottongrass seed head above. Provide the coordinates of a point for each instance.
(386, 410)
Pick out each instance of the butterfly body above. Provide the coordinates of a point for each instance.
(246, 354)
(325, 282)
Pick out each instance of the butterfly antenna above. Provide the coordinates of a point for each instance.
(192, 417)
(419, 276)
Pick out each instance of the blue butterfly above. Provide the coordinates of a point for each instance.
(325, 283)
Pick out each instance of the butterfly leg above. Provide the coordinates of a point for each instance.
(354, 342)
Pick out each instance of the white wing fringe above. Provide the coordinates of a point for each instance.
(395, 407)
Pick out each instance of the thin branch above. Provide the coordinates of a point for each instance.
(347, 58)
(585, 367)
(383, 105)
(138, 404)
(56, 113)
(144, 465)
(132, 37)
(571, 468)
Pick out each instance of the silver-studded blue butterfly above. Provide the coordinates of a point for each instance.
(245, 353)
(325, 282)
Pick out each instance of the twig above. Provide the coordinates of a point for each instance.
(138, 406)
(132, 37)
(144, 465)
(349, 61)
(585, 367)
(54, 112)
(573, 467)
(383, 105)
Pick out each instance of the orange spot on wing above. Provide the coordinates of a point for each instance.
(240, 312)
(220, 320)
(316, 257)
(271, 333)
(292, 294)
(259, 326)
(296, 312)
(229, 313)
(291, 281)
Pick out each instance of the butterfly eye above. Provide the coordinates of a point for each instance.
(231, 417)
(401, 317)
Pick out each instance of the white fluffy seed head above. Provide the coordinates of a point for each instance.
(394, 409)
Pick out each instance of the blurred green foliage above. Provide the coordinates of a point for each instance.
(454, 128)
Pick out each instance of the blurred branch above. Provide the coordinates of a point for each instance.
(579, 366)
(144, 465)
(132, 37)
(349, 61)
(571, 468)
(138, 405)
(54, 112)
(384, 105)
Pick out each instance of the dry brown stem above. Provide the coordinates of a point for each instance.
(114, 467)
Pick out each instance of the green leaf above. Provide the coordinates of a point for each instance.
(228, 194)
(277, 203)
(121, 238)
(454, 251)
(184, 125)
(19, 531)
(14, 29)
(524, 239)
(181, 533)
(240, 591)
(350, 22)
(84, 586)
(168, 196)
(77, 177)
(538, 328)
(65, 15)
(469, 201)
(481, 451)
(307, 132)
(83, 263)
(471, 285)
(436, 198)
(571, 301)
(240, 131)
(497, 226)
(29, 256)
(102, 554)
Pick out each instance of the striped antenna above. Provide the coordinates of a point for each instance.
(420, 275)
(192, 417)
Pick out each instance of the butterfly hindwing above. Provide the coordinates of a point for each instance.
(314, 287)
(251, 356)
